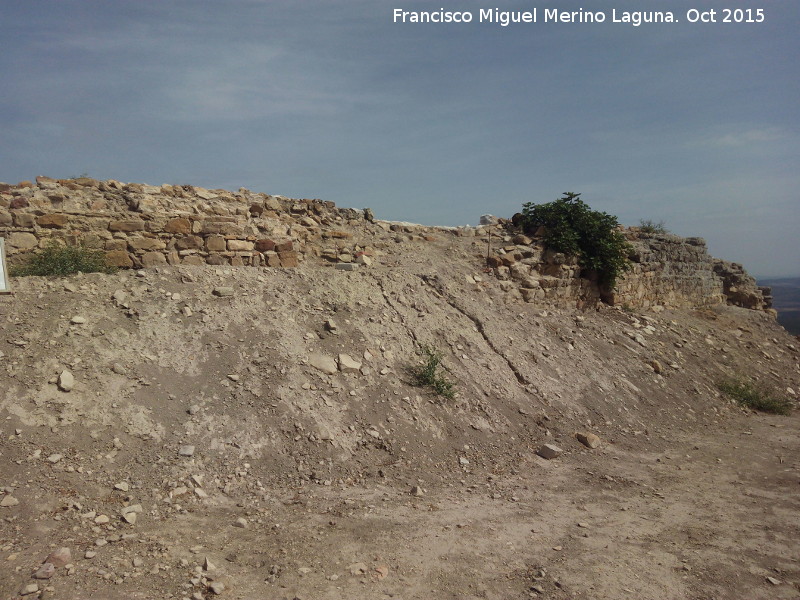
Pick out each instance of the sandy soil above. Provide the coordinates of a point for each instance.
(303, 484)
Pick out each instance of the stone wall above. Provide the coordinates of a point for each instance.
(141, 225)
(666, 270)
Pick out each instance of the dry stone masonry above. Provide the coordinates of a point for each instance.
(139, 225)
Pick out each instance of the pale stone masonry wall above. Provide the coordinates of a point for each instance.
(666, 270)
(140, 225)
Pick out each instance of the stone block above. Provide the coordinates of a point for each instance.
(116, 245)
(179, 225)
(144, 244)
(128, 226)
(286, 246)
(24, 219)
(216, 259)
(22, 240)
(193, 260)
(272, 259)
(589, 440)
(189, 242)
(5, 218)
(549, 451)
(215, 243)
(52, 221)
(152, 259)
(264, 245)
(288, 259)
(119, 258)
(240, 245)
(19, 202)
(223, 228)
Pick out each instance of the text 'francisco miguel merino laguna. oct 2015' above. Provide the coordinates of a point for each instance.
(504, 18)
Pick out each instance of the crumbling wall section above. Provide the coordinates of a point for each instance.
(141, 225)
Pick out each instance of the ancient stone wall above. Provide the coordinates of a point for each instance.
(666, 270)
(142, 225)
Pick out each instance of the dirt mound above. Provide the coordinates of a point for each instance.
(190, 432)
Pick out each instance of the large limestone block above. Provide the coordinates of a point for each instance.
(22, 240)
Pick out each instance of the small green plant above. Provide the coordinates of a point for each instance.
(750, 395)
(648, 226)
(427, 374)
(60, 261)
(573, 228)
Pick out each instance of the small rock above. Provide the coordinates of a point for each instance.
(233, 377)
(102, 519)
(208, 565)
(656, 366)
(129, 518)
(78, 320)
(89, 554)
(60, 558)
(46, 571)
(122, 486)
(357, 569)
(66, 381)
(549, 451)
(31, 588)
(241, 522)
(223, 292)
(186, 451)
(346, 266)
(322, 362)
(417, 491)
(774, 581)
(216, 587)
(54, 458)
(382, 571)
(8, 500)
(119, 369)
(347, 364)
(589, 440)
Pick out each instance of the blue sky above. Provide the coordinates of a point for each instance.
(697, 125)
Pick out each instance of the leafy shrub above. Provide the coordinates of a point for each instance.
(648, 226)
(575, 229)
(427, 373)
(750, 395)
(59, 260)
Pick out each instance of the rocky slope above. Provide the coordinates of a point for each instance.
(201, 431)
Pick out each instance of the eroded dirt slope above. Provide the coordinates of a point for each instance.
(254, 456)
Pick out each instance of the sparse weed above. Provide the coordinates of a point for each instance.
(427, 374)
(648, 226)
(750, 395)
(61, 261)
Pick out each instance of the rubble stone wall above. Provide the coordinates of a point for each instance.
(140, 225)
(666, 270)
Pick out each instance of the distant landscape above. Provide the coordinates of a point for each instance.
(786, 292)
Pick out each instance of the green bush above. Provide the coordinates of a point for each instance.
(59, 260)
(648, 226)
(575, 229)
(750, 395)
(427, 374)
